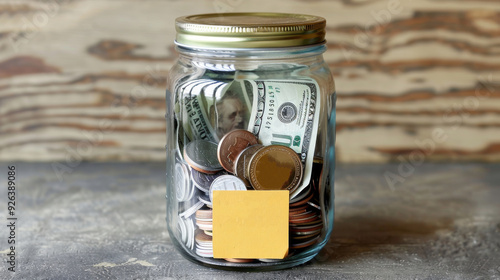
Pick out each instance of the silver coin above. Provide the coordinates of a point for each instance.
(200, 188)
(187, 229)
(205, 247)
(307, 232)
(190, 211)
(182, 179)
(181, 226)
(204, 253)
(201, 155)
(202, 180)
(205, 200)
(190, 233)
(240, 168)
(227, 183)
(204, 220)
(204, 227)
(314, 205)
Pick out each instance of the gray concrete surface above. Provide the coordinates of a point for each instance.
(106, 221)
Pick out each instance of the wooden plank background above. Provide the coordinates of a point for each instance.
(85, 80)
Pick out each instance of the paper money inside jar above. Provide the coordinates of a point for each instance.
(250, 140)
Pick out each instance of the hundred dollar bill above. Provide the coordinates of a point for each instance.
(286, 112)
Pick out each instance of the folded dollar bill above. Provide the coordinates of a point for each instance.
(278, 112)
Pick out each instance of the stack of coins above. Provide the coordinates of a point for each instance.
(305, 220)
(204, 220)
(239, 162)
(204, 245)
(272, 167)
(186, 229)
(185, 189)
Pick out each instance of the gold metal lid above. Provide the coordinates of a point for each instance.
(249, 30)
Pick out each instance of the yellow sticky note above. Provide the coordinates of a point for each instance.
(250, 224)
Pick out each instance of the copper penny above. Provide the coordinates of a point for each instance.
(275, 168)
(305, 228)
(298, 209)
(201, 237)
(303, 220)
(302, 215)
(301, 238)
(315, 222)
(231, 145)
(304, 244)
(303, 194)
(293, 213)
(303, 201)
(241, 163)
(204, 214)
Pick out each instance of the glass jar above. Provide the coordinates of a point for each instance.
(258, 84)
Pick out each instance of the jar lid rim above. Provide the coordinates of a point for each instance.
(250, 30)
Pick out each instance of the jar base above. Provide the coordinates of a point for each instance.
(257, 266)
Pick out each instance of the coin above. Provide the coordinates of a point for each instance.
(306, 219)
(205, 200)
(242, 160)
(204, 225)
(204, 244)
(275, 167)
(202, 238)
(295, 211)
(191, 230)
(308, 233)
(232, 144)
(314, 205)
(184, 190)
(204, 252)
(227, 183)
(203, 180)
(317, 174)
(304, 244)
(303, 201)
(306, 229)
(190, 211)
(182, 228)
(301, 198)
(305, 222)
(186, 229)
(204, 214)
(201, 155)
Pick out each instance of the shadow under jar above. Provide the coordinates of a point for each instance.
(250, 107)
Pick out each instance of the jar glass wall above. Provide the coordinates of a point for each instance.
(216, 93)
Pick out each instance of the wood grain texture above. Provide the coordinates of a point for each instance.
(86, 79)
